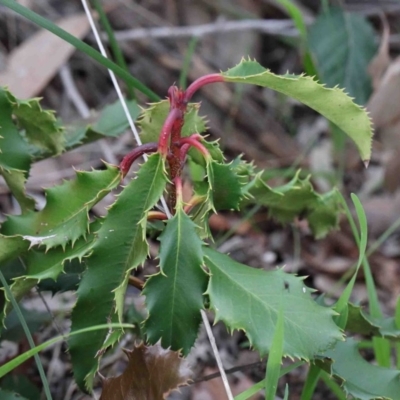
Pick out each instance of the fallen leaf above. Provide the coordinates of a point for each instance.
(381, 60)
(32, 64)
(152, 373)
(383, 104)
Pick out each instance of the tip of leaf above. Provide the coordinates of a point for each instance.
(366, 163)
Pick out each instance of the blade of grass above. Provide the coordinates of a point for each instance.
(80, 45)
(381, 345)
(333, 386)
(27, 334)
(341, 305)
(115, 48)
(274, 359)
(261, 385)
(313, 376)
(397, 323)
(186, 62)
(297, 17)
(15, 362)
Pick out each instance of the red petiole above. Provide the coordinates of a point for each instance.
(171, 145)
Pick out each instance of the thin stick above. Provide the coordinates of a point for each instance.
(216, 355)
(118, 90)
(166, 209)
(273, 27)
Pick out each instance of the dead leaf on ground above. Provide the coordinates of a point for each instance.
(384, 110)
(381, 61)
(32, 64)
(152, 373)
(384, 105)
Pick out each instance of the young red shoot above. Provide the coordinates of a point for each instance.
(173, 116)
(200, 82)
(192, 141)
(128, 160)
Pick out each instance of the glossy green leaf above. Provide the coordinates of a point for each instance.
(111, 122)
(11, 247)
(152, 120)
(15, 180)
(226, 190)
(120, 246)
(15, 158)
(65, 217)
(360, 322)
(362, 380)
(174, 296)
(297, 198)
(343, 45)
(7, 395)
(249, 299)
(333, 104)
(40, 126)
(42, 264)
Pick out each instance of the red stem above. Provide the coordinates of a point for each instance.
(193, 140)
(128, 160)
(174, 114)
(200, 82)
(178, 187)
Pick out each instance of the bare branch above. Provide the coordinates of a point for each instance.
(270, 26)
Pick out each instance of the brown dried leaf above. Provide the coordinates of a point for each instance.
(32, 64)
(381, 60)
(383, 104)
(152, 373)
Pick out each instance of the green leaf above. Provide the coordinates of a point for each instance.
(13, 330)
(174, 296)
(11, 247)
(226, 190)
(41, 264)
(21, 384)
(15, 158)
(152, 120)
(249, 299)
(65, 216)
(15, 180)
(297, 198)
(41, 127)
(6, 395)
(333, 104)
(362, 323)
(112, 122)
(361, 379)
(343, 45)
(120, 246)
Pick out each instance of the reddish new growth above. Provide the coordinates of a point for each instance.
(171, 145)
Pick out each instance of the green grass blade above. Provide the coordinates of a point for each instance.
(333, 386)
(115, 48)
(186, 62)
(80, 45)
(361, 240)
(381, 345)
(397, 322)
(300, 24)
(15, 362)
(28, 335)
(261, 385)
(313, 376)
(275, 359)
